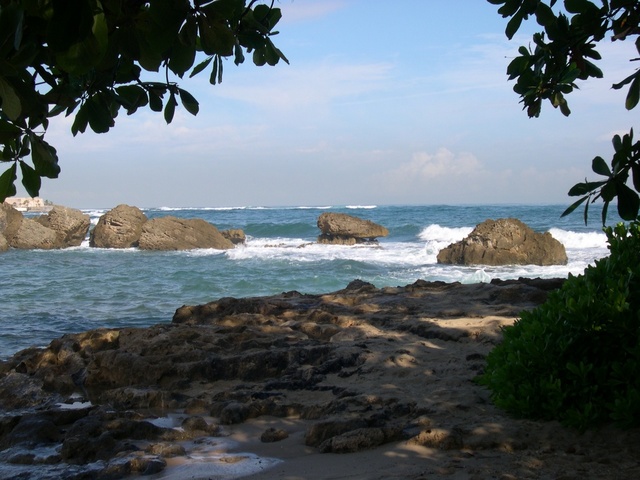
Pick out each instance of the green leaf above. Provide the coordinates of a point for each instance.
(216, 37)
(189, 102)
(605, 210)
(608, 191)
(7, 183)
(155, 101)
(8, 132)
(599, 166)
(544, 15)
(11, 105)
(44, 157)
(584, 188)
(513, 25)
(81, 121)
(635, 170)
(576, 6)
(238, 54)
(182, 58)
(99, 113)
(259, 57)
(71, 23)
(131, 97)
(628, 202)
(170, 108)
(573, 206)
(201, 66)
(30, 179)
(633, 95)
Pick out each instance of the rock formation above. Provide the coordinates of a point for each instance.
(61, 227)
(10, 221)
(343, 229)
(118, 228)
(339, 372)
(33, 235)
(235, 236)
(505, 242)
(172, 233)
(70, 224)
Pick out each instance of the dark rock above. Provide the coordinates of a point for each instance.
(343, 229)
(167, 450)
(118, 228)
(271, 435)
(18, 390)
(504, 242)
(172, 233)
(235, 236)
(234, 413)
(353, 441)
(322, 431)
(31, 431)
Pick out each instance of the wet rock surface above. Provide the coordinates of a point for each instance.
(359, 368)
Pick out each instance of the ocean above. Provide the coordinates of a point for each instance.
(46, 294)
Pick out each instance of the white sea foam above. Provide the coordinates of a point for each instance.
(361, 207)
(579, 239)
(436, 233)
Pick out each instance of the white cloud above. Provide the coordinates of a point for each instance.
(295, 87)
(424, 166)
(300, 10)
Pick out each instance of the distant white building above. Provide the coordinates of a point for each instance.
(25, 204)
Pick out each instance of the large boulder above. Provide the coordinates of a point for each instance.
(10, 220)
(32, 235)
(4, 245)
(172, 233)
(118, 228)
(343, 229)
(70, 224)
(506, 241)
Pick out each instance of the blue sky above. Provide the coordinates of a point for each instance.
(401, 102)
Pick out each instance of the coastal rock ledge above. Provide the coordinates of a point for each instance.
(506, 241)
(341, 372)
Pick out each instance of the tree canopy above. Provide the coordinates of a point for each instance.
(93, 58)
(564, 53)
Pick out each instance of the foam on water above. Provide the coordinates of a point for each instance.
(579, 239)
(62, 291)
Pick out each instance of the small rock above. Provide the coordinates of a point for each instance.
(273, 435)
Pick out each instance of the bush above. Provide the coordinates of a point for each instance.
(576, 358)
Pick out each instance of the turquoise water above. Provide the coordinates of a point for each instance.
(48, 293)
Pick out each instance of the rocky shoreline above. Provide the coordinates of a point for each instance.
(359, 370)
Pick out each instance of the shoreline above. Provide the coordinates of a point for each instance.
(365, 383)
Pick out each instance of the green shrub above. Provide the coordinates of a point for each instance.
(576, 358)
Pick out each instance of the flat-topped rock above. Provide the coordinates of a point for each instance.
(343, 229)
(172, 233)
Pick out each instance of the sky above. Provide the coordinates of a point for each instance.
(383, 103)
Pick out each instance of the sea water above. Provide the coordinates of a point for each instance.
(46, 294)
